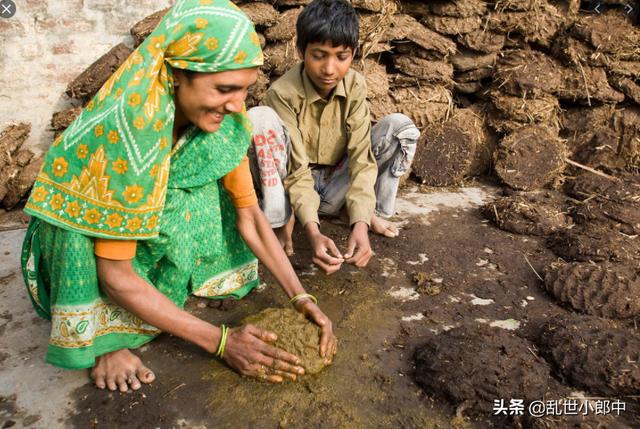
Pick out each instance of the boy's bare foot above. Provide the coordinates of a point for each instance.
(284, 234)
(384, 227)
(120, 370)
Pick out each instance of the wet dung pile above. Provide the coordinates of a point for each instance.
(533, 213)
(593, 353)
(595, 243)
(476, 364)
(296, 335)
(604, 290)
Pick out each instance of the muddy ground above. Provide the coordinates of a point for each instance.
(450, 268)
(469, 272)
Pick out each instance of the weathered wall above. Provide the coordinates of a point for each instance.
(48, 43)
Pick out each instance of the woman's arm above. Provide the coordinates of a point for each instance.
(246, 351)
(258, 234)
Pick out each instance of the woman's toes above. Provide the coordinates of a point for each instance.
(99, 381)
(134, 383)
(121, 381)
(111, 384)
(145, 375)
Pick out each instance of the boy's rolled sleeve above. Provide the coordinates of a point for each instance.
(363, 171)
(299, 182)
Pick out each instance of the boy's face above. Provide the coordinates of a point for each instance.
(326, 65)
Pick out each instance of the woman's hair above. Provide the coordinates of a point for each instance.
(332, 21)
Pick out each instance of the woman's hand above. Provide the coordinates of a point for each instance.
(248, 353)
(328, 341)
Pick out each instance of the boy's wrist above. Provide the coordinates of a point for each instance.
(312, 228)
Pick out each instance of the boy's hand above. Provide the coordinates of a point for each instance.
(359, 242)
(325, 253)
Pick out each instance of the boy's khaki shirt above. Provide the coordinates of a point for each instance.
(322, 132)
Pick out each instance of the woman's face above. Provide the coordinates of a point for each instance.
(204, 98)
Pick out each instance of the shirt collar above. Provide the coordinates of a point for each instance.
(311, 93)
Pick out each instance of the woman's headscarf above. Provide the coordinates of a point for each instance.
(106, 175)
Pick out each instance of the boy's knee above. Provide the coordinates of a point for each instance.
(402, 126)
(261, 115)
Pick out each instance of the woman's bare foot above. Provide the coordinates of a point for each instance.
(384, 227)
(120, 370)
(284, 234)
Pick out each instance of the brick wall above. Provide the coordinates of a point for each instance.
(48, 43)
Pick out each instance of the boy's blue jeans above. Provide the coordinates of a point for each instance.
(393, 141)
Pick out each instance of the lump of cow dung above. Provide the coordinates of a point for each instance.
(476, 364)
(593, 353)
(605, 290)
(534, 213)
(296, 335)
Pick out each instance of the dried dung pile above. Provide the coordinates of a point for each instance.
(19, 166)
(449, 151)
(539, 213)
(614, 204)
(87, 84)
(476, 364)
(530, 157)
(604, 290)
(593, 353)
(521, 63)
(296, 335)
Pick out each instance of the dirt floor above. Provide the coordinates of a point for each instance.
(449, 268)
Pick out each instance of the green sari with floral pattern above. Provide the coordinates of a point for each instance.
(111, 174)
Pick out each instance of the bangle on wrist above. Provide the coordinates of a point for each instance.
(300, 296)
(224, 333)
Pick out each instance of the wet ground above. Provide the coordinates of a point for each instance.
(450, 267)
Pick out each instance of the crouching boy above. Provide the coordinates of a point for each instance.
(314, 148)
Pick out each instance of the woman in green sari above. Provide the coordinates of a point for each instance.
(143, 200)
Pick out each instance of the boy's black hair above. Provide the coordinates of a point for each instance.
(332, 21)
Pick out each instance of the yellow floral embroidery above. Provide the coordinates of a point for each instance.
(120, 166)
(254, 38)
(99, 131)
(60, 166)
(184, 46)
(134, 99)
(206, 2)
(240, 57)
(211, 43)
(179, 64)
(154, 170)
(57, 141)
(92, 216)
(73, 209)
(90, 105)
(201, 23)
(93, 182)
(134, 224)
(137, 78)
(133, 193)
(39, 194)
(139, 122)
(155, 45)
(82, 151)
(118, 93)
(113, 137)
(56, 201)
(158, 125)
(114, 220)
(152, 222)
(163, 142)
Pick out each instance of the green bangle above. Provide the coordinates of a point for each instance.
(300, 296)
(223, 341)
